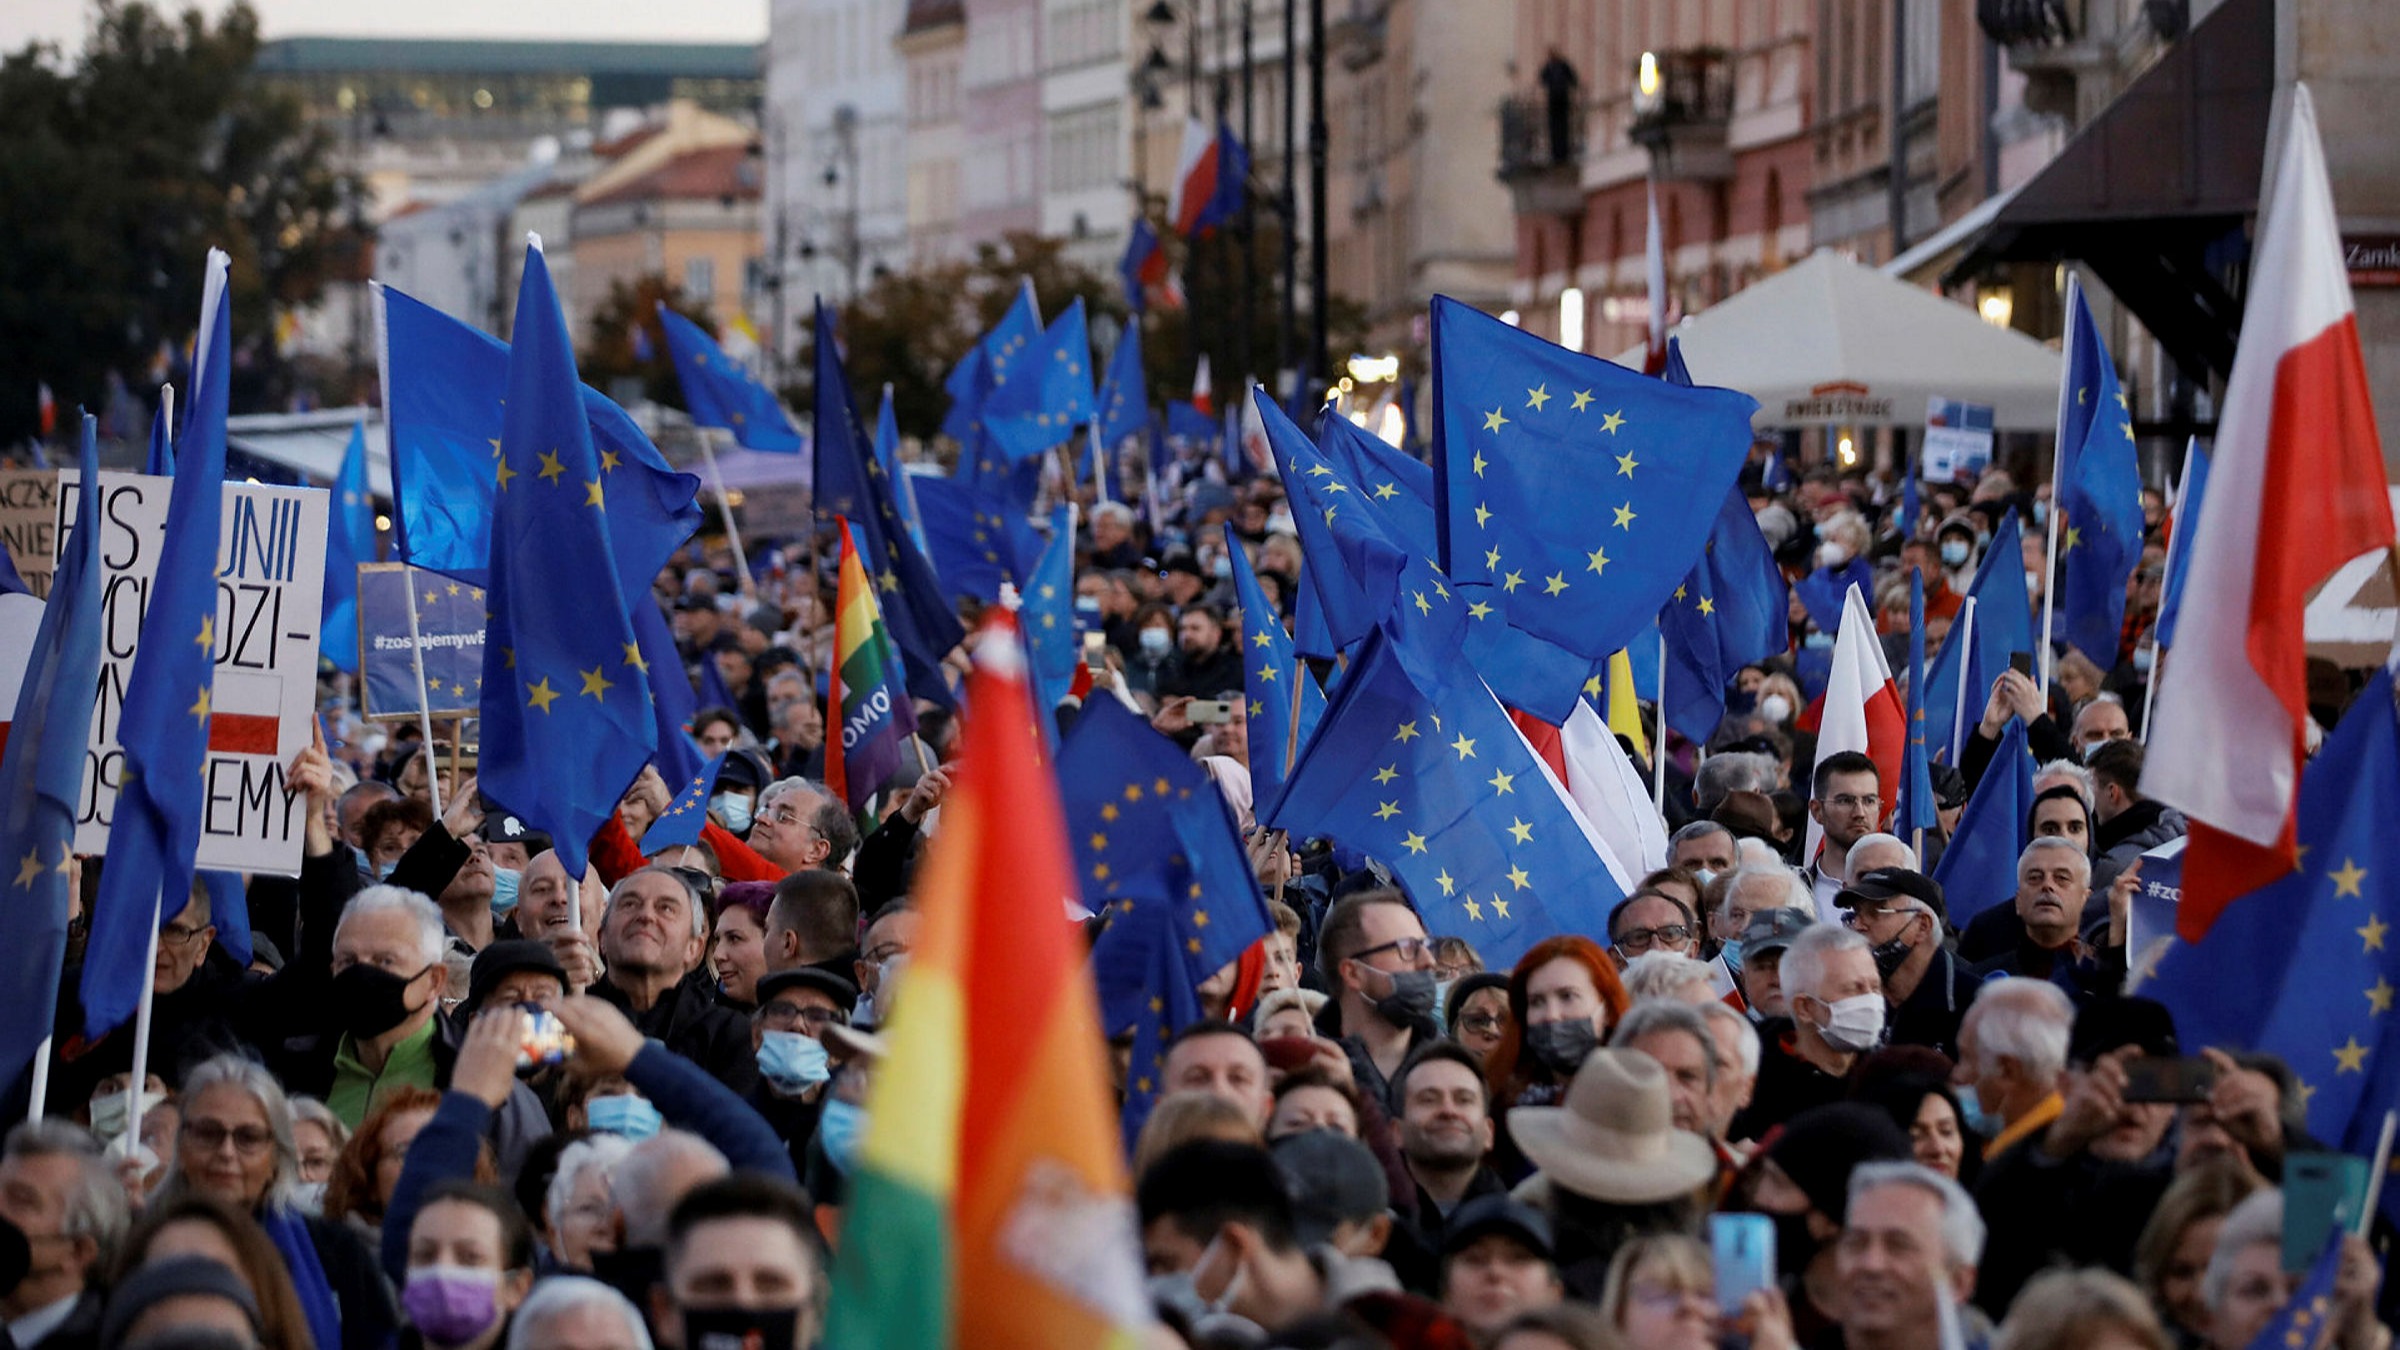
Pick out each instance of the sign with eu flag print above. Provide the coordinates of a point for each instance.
(270, 599)
(449, 634)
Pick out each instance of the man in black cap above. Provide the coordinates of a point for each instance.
(1769, 932)
(1497, 1262)
(513, 971)
(795, 1007)
(1806, 1193)
(1902, 914)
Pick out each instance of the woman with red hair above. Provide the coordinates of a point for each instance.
(1563, 997)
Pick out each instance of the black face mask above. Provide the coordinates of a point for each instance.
(1411, 999)
(631, 1271)
(1889, 956)
(369, 1001)
(740, 1328)
(1561, 1047)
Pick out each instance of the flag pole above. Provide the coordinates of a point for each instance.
(166, 410)
(2166, 578)
(41, 1076)
(141, 1021)
(2058, 461)
(733, 534)
(2376, 1173)
(1658, 737)
(416, 660)
(1964, 630)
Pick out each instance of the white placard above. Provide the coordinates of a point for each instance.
(270, 597)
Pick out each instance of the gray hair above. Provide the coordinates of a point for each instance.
(1803, 968)
(2027, 1020)
(1756, 852)
(558, 1295)
(600, 1151)
(1795, 892)
(693, 900)
(1745, 1036)
(1882, 839)
(2067, 770)
(248, 1075)
(310, 1111)
(643, 1181)
(1660, 1015)
(400, 900)
(96, 1206)
(1116, 511)
(1962, 1225)
(1665, 975)
(2047, 842)
(1740, 771)
(2258, 1218)
(1698, 829)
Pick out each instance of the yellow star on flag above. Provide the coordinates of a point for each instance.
(1407, 732)
(1424, 606)
(633, 658)
(1599, 561)
(1493, 421)
(1260, 639)
(591, 494)
(2350, 1058)
(596, 684)
(31, 868)
(1625, 516)
(1266, 673)
(1609, 422)
(1626, 464)
(199, 708)
(1583, 400)
(505, 473)
(1499, 906)
(609, 460)
(541, 695)
(1387, 810)
(1444, 880)
(1512, 581)
(1535, 398)
(208, 632)
(1474, 911)
(1413, 842)
(1556, 583)
(1709, 606)
(1384, 492)
(1479, 610)
(1520, 831)
(1502, 781)
(1480, 464)
(1464, 747)
(2374, 932)
(2347, 879)
(1518, 878)
(552, 469)
(1386, 774)
(2379, 998)
(1483, 516)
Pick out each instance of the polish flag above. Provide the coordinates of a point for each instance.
(1195, 176)
(1862, 710)
(1601, 789)
(245, 713)
(1204, 399)
(2296, 491)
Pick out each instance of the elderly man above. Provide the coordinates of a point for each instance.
(1836, 998)
(2012, 1056)
(1874, 851)
(71, 1208)
(1901, 912)
(799, 825)
(1704, 846)
(1677, 1036)
(1736, 1050)
(2054, 880)
(1763, 943)
(1732, 899)
(1651, 921)
(573, 1312)
(652, 941)
(1910, 1243)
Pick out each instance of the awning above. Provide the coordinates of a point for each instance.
(2154, 193)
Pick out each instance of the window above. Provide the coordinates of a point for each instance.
(1083, 148)
(700, 279)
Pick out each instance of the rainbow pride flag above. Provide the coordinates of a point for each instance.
(990, 1207)
(865, 697)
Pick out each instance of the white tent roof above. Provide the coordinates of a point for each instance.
(1827, 342)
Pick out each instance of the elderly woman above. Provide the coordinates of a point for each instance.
(235, 1145)
(581, 1201)
(2246, 1284)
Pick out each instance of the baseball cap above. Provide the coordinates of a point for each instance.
(1885, 885)
(506, 958)
(1502, 1214)
(824, 981)
(1772, 930)
(1334, 1180)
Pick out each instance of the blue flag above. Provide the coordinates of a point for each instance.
(1977, 652)
(2100, 487)
(1047, 614)
(566, 714)
(163, 731)
(1732, 610)
(1139, 264)
(349, 541)
(1125, 397)
(973, 543)
(229, 912)
(1047, 394)
(1979, 868)
(680, 824)
(1399, 486)
(1427, 773)
(41, 781)
(1272, 676)
(2301, 1321)
(159, 460)
(711, 689)
(1185, 422)
(1571, 494)
(1156, 848)
(850, 483)
(966, 404)
(2306, 968)
(2179, 548)
(672, 700)
(719, 393)
(446, 384)
(1918, 810)
(887, 455)
(988, 364)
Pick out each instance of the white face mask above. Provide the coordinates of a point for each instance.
(1856, 1024)
(1831, 554)
(1775, 708)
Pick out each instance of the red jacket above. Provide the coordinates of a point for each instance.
(617, 856)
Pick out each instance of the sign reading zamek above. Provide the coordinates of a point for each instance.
(1838, 401)
(2372, 259)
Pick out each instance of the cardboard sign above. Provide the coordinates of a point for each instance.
(449, 627)
(29, 524)
(270, 596)
(2150, 921)
(1958, 440)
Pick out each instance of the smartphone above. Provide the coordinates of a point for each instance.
(2151, 1079)
(1744, 1249)
(1286, 1053)
(1095, 650)
(1206, 712)
(2320, 1192)
(546, 1039)
(2021, 662)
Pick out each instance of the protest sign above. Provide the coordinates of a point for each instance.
(449, 628)
(1958, 440)
(270, 583)
(2150, 921)
(29, 524)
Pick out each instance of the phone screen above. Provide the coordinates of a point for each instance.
(1744, 1250)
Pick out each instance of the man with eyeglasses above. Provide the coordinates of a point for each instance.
(881, 954)
(787, 1036)
(1902, 915)
(1847, 806)
(1375, 957)
(1651, 921)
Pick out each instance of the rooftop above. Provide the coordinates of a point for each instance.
(714, 171)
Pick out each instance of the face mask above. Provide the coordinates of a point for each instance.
(1973, 1118)
(1856, 1025)
(450, 1305)
(110, 1116)
(1819, 641)
(2033, 583)
(504, 888)
(383, 870)
(1954, 553)
(734, 809)
(1155, 643)
(1411, 999)
(740, 1328)
(1561, 1047)
(369, 1000)
(1441, 993)
(840, 1128)
(1889, 955)
(2041, 513)
(1706, 875)
(1221, 566)
(2144, 657)
(792, 1063)
(1831, 555)
(1775, 708)
(1732, 952)
(622, 1113)
(309, 1197)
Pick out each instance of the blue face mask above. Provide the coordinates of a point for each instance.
(383, 870)
(1733, 955)
(840, 1128)
(1819, 641)
(734, 809)
(1974, 1119)
(504, 888)
(1954, 553)
(622, 1114)
(792, 1063)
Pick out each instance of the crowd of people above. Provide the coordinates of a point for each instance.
(460, 1098)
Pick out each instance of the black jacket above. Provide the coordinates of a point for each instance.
(689, 1020)
(2084, 973)
(1787, 1085)
(1205, 677)
(81, 1330)
(369, 1318)
(2128, 835)
(1932, 1011)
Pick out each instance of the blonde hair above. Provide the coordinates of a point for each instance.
(1181, 1117)
(1683, 1260)
(1308, 1001)
(2074, 1309)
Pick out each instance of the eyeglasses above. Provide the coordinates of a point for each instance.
(1847, 802)
(781, 1015)
(1408, 949)
(1482, 1024)
(882, 956)
(1860, 918)
(1640, 939)
(179, 934)
(209, 1136)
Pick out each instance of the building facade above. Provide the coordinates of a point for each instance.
(933, 49)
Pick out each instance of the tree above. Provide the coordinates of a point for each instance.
(612, 353)
(119, 171)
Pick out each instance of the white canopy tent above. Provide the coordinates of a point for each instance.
(1827, 342)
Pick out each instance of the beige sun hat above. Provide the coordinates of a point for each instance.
(1614, 1139)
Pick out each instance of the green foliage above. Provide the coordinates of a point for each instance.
(608, 353)
(119, 171)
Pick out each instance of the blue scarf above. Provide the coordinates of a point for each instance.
(290, 1233)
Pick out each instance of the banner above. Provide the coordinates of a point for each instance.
(2150, 922)
(1958, 440)
(450, 618)
(270, 583)
(29, 519)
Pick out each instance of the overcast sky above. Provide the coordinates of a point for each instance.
(64, 21)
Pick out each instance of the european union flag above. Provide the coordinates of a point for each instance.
(1996, 622)
(966, 403)
(2179, 548)
(1185, 422)
(2301, 1322)
(159, 460)
(1272, 679)
(850, 483)
(973, 543)
(711, 689)
(164, 727)
(1125, 396)
(719, 393)
(2306, 968)
(680, 824)
(988, 364)
(41, 781)
(1732, 610)
(887, 455)
(672, 700)
(444, 387)
(1048, 393)
(1046, 611)
(566, 711)
(1005, 486)
(1156, 849)
(1979, 868)
(1429, 775)
(349, 541)
(1400, 486)
(1575, 492)
(1917, 808)
(2101, 493)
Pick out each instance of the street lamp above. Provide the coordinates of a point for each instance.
(1648, 87)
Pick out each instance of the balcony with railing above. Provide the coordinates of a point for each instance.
(1682, 111)
(1541, 153)
(2075, 53)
